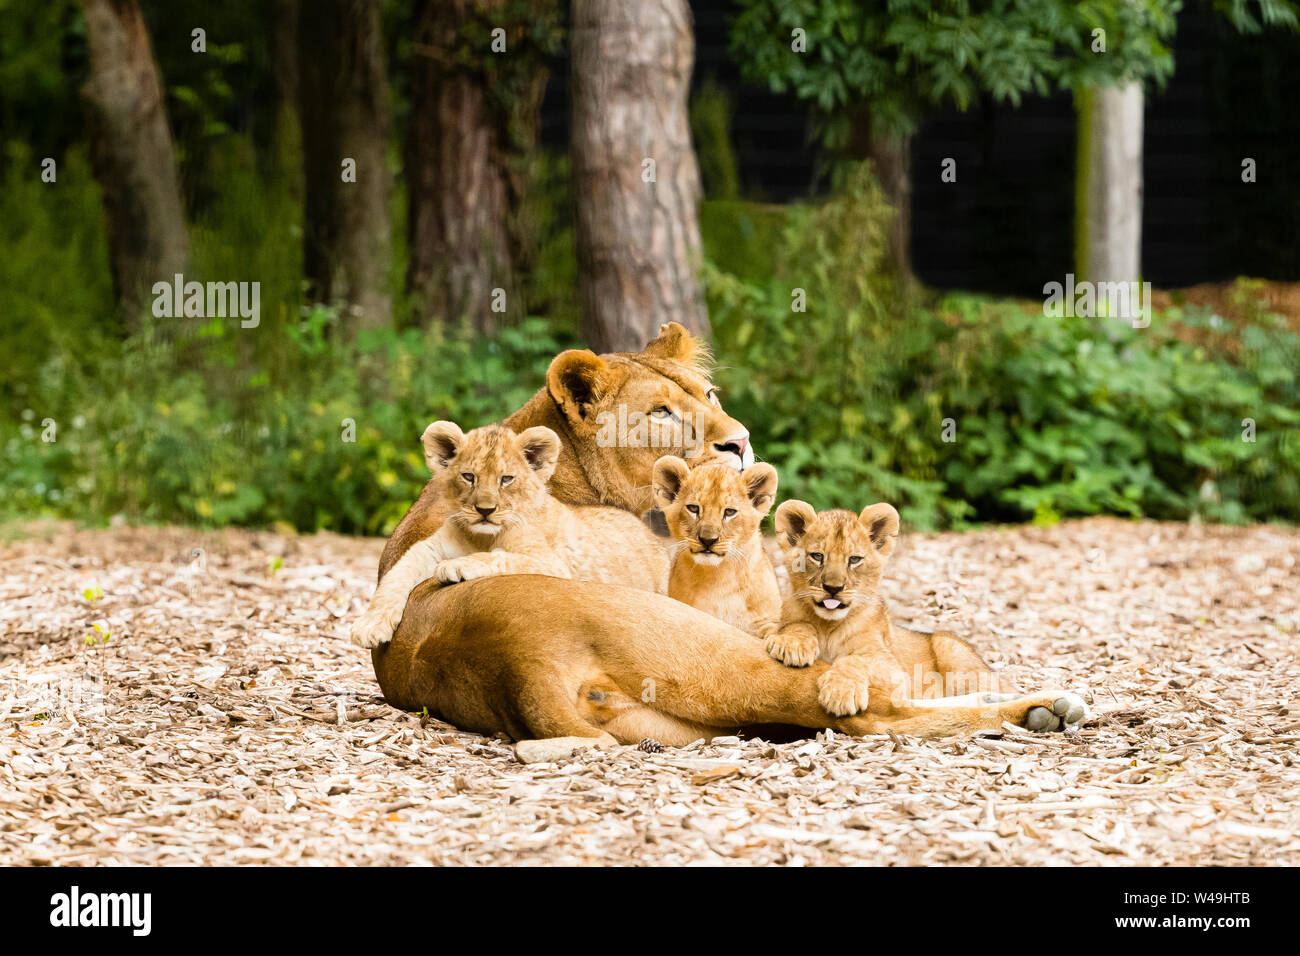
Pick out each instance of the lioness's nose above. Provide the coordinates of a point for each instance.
(485, 511)
(735, 444)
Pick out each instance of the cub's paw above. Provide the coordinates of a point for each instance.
(792, 650)
(1067, 710)
(371, 630)
(460, 569)
(840, 694)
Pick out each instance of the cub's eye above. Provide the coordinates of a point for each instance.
(855, 560)
(506, 479)
(729, 513)
(693, 509)
(468, 476)
(816, 557)
(713, 397)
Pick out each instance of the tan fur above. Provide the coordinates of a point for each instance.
(835, 613)
(514, 654)
(504, 521)
(713, 515)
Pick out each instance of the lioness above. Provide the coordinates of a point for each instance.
(516, 654)
(835, 613)
(713, 515)
(506, 522)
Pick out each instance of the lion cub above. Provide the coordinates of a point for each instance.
(713, 516)
(504, 521)
(835, 613)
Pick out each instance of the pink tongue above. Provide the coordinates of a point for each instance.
(830, 604)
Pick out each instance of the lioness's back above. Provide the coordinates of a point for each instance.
(612, 546)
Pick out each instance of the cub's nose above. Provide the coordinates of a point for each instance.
(708, 542)
(485, 511)
(832, 589)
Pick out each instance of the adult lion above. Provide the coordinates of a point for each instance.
(541, 657)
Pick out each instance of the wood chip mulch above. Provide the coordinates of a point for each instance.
(173, 696)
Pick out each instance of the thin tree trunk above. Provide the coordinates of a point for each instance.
(634, 171)
(891, 162)
(286, 136)
(132, 152)
(1108, 189)
(459, 198)
(343, 104)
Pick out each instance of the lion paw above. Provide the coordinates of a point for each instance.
(792, 650)
(460, 569)
(372, 629)
(841, 695)
(1067, 710)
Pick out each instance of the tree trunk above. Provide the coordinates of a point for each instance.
(1108, 189)
(131, 149)
(891, 163)
(634, 171)
(343, 104)
(460, 196)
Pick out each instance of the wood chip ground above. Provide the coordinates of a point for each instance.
(226, 719)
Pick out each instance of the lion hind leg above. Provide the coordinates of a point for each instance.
(949, 716)
(552, 717)
(603, 703)
(635, 724)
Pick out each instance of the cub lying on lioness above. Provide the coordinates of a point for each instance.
(718, 563)
(504, 521)
(835, 612)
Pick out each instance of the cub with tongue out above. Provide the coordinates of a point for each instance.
(835, 613)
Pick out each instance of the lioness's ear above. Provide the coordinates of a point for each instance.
(881, 522)
(793, 519)
(667, 478)
(674, 343)
(441, 440)
(760, 480)
(576, 380)
(541, 447)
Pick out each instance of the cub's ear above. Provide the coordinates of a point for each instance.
(792, 521)
(667, 478)
(541, 447)
(576, 380)
(441, 440)
(881, 522)
(760, 481)
(674, 343)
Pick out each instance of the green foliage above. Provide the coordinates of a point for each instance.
(151, 433)
(1252, 16)
(711, 134)
(1050, 417)
(903, 57)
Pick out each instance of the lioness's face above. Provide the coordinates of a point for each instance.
(835, 558)
(630, 409)
(714, 510)
(492, 476)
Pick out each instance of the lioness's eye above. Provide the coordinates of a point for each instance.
(663, 411)
(815, 557)
(729, 513)
(506, 479)
(693, 509)
(855, 560)
(468, 476)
